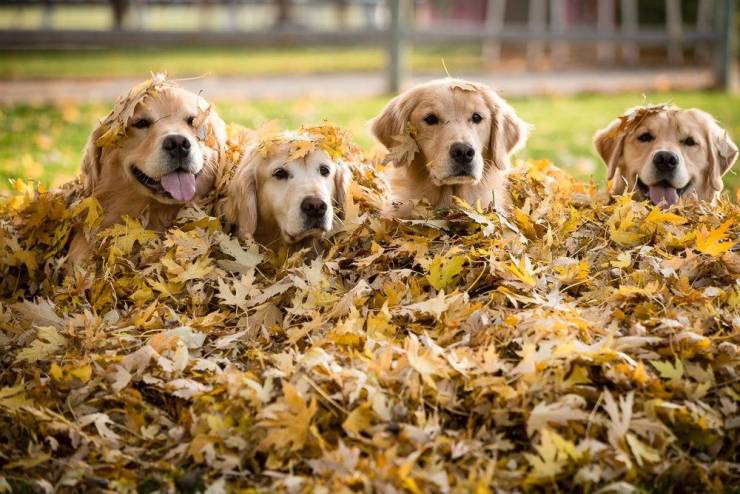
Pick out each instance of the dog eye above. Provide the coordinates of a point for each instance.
(645, 137)
(477, 118)
(431, 119)
(142, 123)
(689, 141)
(281, 174)
(324, 170)
(190, 120)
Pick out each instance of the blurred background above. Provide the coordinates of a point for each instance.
(567, 66)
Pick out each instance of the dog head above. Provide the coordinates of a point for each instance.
(156, 146)
(277, 195)
(460, 129)
(663, 152)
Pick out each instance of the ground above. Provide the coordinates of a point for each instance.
(44, 141)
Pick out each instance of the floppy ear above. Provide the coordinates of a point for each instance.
(218, 127)
(342, 179)
(392, 120)
(609, 143)
(91, 162)
(239, 207)
(508, 132)
(722, 153)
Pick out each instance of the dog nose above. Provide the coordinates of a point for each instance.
(665, 161)
(462, 153)
(178, 146)
(313, 207)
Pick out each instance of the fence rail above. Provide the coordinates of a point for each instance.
(399, 34)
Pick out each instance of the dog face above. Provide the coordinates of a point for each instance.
(163, 153)
(666, 154)
(288, 199)
(460, 128)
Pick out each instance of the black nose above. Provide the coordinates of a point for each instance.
(313, 207)
(176, 145)
(665, 161)
(462, 153)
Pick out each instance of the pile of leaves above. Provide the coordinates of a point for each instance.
(578, 344)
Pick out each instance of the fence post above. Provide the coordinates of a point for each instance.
(397, 44)
(630, 26)
(725, 44)
(674, 23)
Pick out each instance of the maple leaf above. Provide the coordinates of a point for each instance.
(47, 343)
(549, 460)
(522, 270)
(559, 412)
(443, 272)
(424, 361)
(300, 148)
(668, 370)
(125, 235)
(435, 306)
(287, 421)
(404, 150)
(243, 288)
(244, 260)
(711, 242)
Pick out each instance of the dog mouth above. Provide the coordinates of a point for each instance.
(661, 192)
(178, 184)
(313, 232)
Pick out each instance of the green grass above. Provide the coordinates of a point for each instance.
(188, 62)
(44, 142)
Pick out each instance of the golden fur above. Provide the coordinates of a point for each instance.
(260, 204)
(629, 150)
(107, 172)
(428, 176)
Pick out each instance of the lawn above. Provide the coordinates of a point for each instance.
(189, 62)
(44, 142)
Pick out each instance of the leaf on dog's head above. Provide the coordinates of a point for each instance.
(333, 140)
(631, 120)
(464, 86)
(300, 148)
(116, 122)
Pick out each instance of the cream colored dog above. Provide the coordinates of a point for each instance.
(151, 158)
(278, 199)
(663, 153)
(448, 138)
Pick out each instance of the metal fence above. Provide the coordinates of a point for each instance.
(711, 35)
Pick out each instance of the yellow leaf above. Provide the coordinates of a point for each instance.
(711, 243)
(523, 221)
(668, 370)
(623, 260)
(359, 419)
(48, 342)
(522, 269)
(443, 273)
(287, 421)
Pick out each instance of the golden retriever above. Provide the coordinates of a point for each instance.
(662, 153)
(280, 198)
(158, 150)
(449, 137)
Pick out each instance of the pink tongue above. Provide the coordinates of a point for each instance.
(661, 193)
(180, 185)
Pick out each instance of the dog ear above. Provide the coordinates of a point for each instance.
(239, 206)
(609, 143)
(392, 120)
(509, 133)
(722, 153)
(91, 162)
(342, 179)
